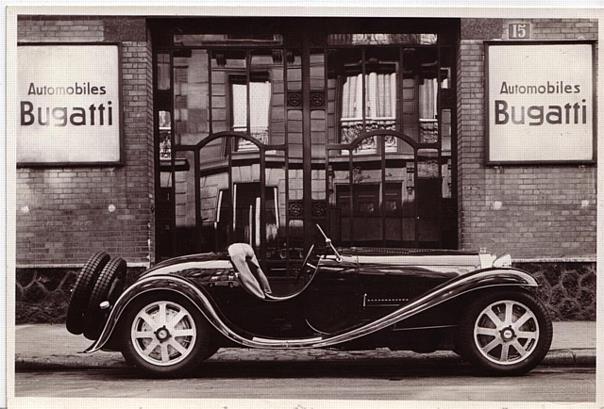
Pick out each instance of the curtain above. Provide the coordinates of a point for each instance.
(427, 98)
(380, 96)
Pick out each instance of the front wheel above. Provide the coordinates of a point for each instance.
(506, 333)
(165, 336)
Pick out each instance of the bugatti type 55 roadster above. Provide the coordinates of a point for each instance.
(180, 311)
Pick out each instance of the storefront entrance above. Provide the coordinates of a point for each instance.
(263, 130)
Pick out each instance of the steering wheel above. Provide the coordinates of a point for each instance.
(306, 262)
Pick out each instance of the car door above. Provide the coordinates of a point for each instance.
(333, 301)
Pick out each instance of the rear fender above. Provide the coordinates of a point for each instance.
(146, 286)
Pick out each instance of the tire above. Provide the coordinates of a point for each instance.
(108, 287)
(483, 340)
(81, 292)
(180, 356)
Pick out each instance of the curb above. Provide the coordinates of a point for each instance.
(555, 358)
(570, 357)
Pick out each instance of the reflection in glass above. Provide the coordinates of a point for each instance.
(399, 198)
(259, 109)
(267, 96)
(381, 39)
(186, 230)
(294, 105)
(368, 93)
(165, 135)
(429, 187)
(224, 39)
(190, 96)
(163, 71)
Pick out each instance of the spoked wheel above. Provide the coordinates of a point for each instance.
(166, 336)
(506, 334)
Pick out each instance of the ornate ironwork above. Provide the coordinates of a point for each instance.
(317, 99)
(351, 130)
(319, 208)
(295, 209)
(428, 131)
(294, 99)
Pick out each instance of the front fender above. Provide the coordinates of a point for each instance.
(490, 277)
(477, 280)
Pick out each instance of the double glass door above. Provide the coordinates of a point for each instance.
(262, 136)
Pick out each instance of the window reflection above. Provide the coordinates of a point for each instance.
(165, 135)
(191, 88)
(367, 94)
(259, 110)
(381, 39)
(374, 81)
(222, 39)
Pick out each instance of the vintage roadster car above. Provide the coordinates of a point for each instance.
(180, 311)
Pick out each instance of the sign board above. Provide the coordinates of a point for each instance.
(519, 31)
(69, 104)
(540, 102)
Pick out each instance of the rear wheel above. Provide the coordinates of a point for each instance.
(506, 333)
(165, 335)
(81, 292)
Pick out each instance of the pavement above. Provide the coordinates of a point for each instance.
(51, 347)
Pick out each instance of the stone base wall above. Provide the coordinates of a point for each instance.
(567, 289)
(42, 295)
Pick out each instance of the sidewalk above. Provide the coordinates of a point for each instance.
(43, 346)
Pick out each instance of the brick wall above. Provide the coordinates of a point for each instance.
(531, 212)
(63, 213)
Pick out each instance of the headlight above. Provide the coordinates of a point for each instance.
(503, 261)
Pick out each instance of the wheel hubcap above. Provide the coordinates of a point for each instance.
(506, 332)
(163, 333)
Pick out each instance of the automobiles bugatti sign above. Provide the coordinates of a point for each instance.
(540, 102)
(68, 104)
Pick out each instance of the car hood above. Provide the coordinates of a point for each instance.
(465, 260)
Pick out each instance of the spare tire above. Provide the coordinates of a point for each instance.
(81, 291)
(108, 287)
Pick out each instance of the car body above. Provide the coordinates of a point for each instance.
(180, 311)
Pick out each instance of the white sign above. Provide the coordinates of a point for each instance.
(69, 105)
(540, 103)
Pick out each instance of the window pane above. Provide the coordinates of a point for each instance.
(191, 96)
(366, 193)
(420, 94)
(427, 163)
(398, 200)
(165, 135)
(213, 39)
(259, 109)
(380, 39)
(379, 108)
(163, 71)
(216, 208)
(345, 68)
(294, 107)
(228, 67)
